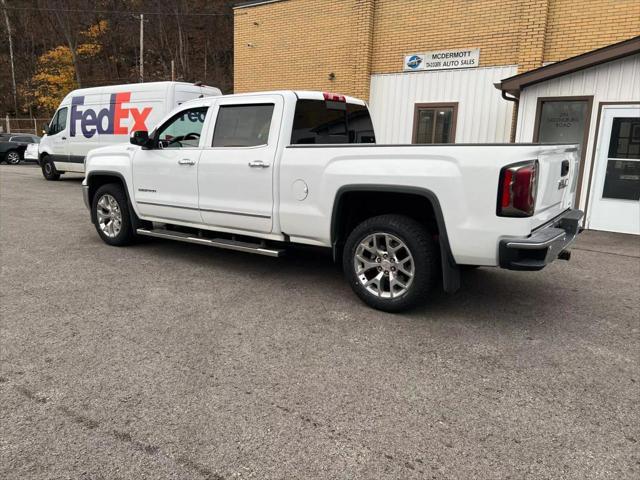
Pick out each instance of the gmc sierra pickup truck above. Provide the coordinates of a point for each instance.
(258, 172)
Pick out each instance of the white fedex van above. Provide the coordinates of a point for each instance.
(89, 118)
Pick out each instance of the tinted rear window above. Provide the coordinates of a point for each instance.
(320, 122)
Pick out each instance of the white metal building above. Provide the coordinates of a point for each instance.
(480, 115)
(594, 100)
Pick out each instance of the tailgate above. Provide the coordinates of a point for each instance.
(557, 182)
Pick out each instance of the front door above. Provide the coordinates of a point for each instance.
(235, 173)
(57, 139)
(615, 189)
(165, 177)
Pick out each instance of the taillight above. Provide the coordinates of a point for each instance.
(517, 190)
(334, 97)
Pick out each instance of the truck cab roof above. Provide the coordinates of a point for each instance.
(292, 94)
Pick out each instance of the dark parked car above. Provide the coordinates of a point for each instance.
(13, 145)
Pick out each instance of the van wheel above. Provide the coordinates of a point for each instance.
(12, 157)
(49, 169)
(110, 215)
(391, 262)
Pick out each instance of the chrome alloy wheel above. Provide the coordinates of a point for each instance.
(13, 158)
(109, 215)
(384, 265)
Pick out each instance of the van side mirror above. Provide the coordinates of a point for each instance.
(46, 129)
(140, 138)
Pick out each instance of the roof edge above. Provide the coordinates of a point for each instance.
(513, 85)
(254, 3)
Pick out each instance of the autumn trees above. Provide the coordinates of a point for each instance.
(59, 45)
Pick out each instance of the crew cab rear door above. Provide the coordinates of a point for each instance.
(237, 165)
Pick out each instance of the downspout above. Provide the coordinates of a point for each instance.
(514, 118)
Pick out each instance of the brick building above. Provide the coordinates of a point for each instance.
(443, 71)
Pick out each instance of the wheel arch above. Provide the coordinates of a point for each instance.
(98, 178)
(43, 155)
(340, 221)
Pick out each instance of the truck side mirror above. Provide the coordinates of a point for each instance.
(140, 138)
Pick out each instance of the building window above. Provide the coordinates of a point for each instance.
(562, 120)
(622, 180)
(435, 123)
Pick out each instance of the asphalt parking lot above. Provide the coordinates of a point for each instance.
(167, 360)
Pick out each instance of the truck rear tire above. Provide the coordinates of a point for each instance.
(391, 262)
(49, 169)
(110, 215)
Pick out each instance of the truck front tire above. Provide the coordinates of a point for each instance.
(49, 169)
(110, 215)
(391, 262)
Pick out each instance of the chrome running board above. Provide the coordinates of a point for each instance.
(257, 248)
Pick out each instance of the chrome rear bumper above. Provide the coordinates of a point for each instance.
(543, 245)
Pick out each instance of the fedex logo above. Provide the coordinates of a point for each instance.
(108, 120)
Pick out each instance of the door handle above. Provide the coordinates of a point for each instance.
(259, 164)
(63, 138)
(186, 161)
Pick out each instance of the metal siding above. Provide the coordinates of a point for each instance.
(483, 116)
(616, 81)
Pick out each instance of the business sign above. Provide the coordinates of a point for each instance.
(442, 60)
(114, 120)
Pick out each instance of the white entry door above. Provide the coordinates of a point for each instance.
(615, 189)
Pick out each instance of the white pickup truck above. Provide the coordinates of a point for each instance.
(258, 172)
